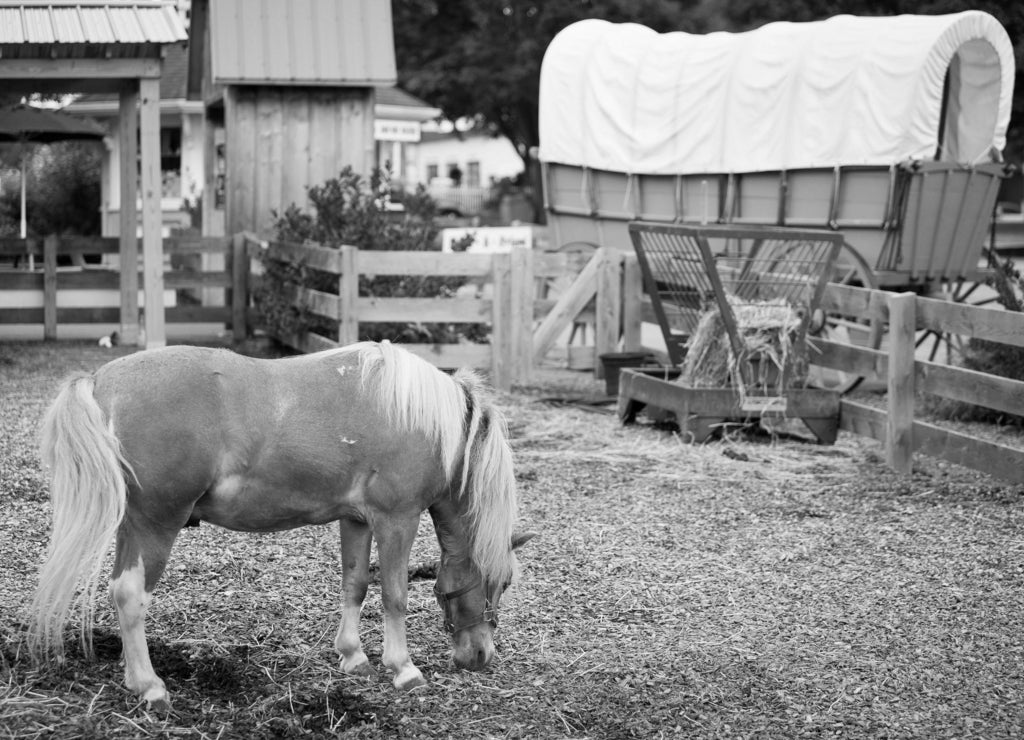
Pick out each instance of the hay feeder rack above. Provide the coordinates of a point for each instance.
(735, 305)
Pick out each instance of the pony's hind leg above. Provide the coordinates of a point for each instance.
(356, 538)
(139, 562)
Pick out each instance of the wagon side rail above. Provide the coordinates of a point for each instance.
(941, 216)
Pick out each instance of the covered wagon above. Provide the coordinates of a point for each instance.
(888, 130)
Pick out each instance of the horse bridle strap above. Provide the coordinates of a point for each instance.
(444, 598)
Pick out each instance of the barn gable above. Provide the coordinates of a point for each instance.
(302, 42)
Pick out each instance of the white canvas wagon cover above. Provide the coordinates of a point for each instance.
(849, 90)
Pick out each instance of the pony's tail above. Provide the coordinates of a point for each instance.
(488, 479)
(88, 493)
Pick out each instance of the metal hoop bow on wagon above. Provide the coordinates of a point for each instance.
(887, 130)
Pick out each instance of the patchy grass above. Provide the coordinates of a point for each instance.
(750, 587)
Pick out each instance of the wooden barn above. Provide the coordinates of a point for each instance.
(288, 90)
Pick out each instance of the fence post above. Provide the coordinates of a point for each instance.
(239, 287)
(632, 303)
(501, 308)
(348, 290)
(899, 438)
(521, 290)
(50, 245)
(608, 306)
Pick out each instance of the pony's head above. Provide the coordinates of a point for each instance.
(469, 602)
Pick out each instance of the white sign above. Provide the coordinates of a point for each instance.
(385, 129)
(489, 239)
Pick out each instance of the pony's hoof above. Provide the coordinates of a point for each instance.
(361, 670)
(409, 679)
(157, 701)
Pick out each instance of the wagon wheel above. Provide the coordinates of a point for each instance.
(946, 347)
(850, 269)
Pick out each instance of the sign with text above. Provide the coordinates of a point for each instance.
(489, 239)
(389, 130)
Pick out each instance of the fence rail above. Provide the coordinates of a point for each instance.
(895, 425)
(184, 275)
(509, 310)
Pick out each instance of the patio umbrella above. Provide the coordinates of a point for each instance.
(26, 124)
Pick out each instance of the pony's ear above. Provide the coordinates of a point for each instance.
(521, 538)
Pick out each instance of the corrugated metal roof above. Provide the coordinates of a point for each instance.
(310, 42)
(84, 28)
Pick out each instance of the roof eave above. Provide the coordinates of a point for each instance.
(406, 112)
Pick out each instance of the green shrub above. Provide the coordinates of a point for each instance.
(348, 210)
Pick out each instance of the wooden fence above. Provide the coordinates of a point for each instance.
(185, 276)
(895, 426)
(525, 323)
(515, 302)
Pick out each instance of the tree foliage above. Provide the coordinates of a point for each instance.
(480, 59)
(62, 189)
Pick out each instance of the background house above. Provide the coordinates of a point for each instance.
(181, 146)
(481, 157)
(468, 170)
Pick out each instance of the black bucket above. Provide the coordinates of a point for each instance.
(613, 362)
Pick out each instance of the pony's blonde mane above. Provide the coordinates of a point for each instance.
(458, 414)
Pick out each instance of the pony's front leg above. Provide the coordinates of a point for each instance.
(394, 541)
(356, 538)
(139, 563)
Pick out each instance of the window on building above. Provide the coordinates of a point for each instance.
(170, 148)
(431, 172)
(473, 174)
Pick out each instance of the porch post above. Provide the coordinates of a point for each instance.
(152, 240)
(128, 149)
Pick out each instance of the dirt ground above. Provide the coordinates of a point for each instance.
(752, 586)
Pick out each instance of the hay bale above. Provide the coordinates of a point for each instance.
(767, 330)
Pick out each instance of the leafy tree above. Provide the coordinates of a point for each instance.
(480, 59)
(62, 190)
